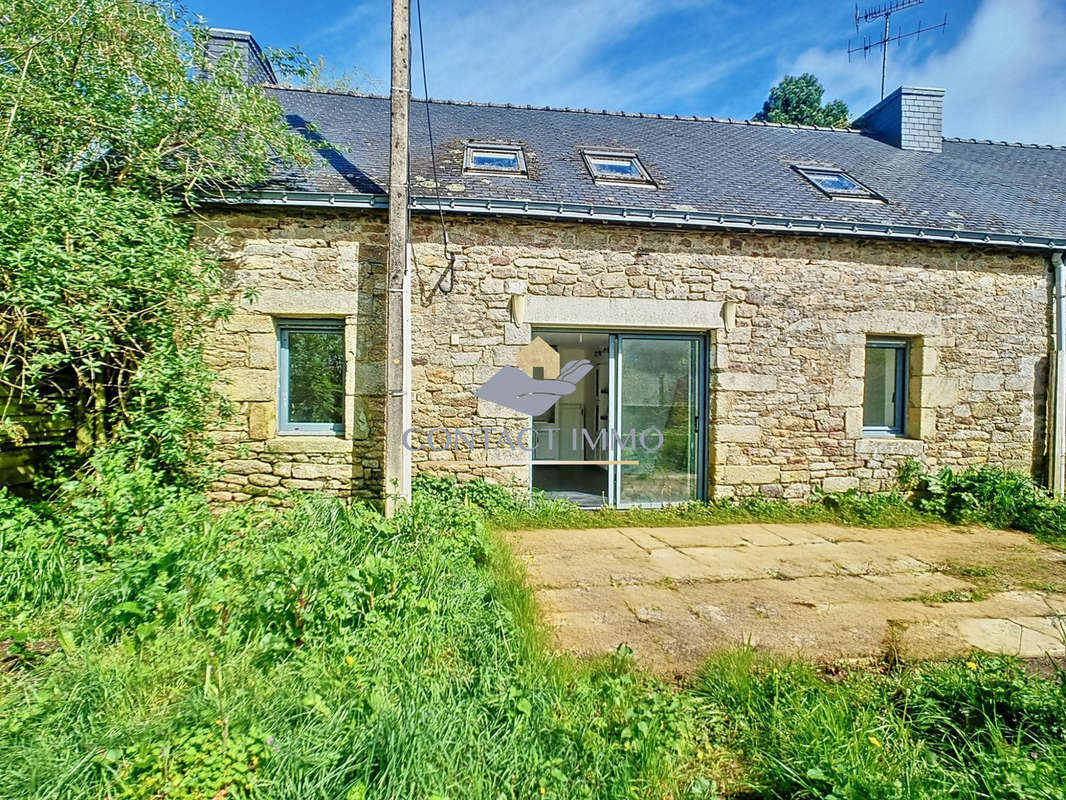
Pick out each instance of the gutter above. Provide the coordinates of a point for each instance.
(628, 215)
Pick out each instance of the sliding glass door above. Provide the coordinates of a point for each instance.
(659, 394)
(633, 432)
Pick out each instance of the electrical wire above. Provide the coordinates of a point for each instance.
(450, 271)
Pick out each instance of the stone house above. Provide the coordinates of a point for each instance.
(753, 307)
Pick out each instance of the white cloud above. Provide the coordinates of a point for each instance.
(1005, 77)
(1004, 73)
(565, 52)
(541, 53)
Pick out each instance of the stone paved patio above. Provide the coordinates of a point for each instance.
(821, 591)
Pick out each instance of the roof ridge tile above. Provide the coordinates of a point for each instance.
(568, 110)
(643, 115)
(1030, 145)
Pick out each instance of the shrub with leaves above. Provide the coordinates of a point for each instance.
(114, 125)
(316, 651)
(993, 496)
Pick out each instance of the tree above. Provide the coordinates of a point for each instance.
(299, 70)
(113, 129)
(799, 101)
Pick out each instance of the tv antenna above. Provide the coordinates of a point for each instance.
(885, 11)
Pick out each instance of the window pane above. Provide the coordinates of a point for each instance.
(834, 182)
(316, 376)
(658, 388)
(879, 400)
(494, 159)
(616, 168)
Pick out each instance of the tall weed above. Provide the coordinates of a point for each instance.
(317, 651)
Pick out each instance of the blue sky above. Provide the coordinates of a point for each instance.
(1001, 61)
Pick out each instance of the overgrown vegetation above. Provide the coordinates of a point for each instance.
(114, 124)
(320, 651)
(150, 648)
(510, 511)
(992, 496)
(964, 729)
(986, 495)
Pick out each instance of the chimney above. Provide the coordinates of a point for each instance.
(911, 118)
(256, 66)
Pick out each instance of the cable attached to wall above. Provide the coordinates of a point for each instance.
(449, 272)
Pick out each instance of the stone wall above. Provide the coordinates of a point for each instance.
(787, 359)
(27, 436)
(292, 267)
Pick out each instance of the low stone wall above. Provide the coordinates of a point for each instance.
(26, 437)
(787, 360)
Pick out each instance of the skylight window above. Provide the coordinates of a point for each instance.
(503, 158)
(616, 168)
(837, 183)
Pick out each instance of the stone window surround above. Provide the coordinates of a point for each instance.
(280, 305)
(928, 388)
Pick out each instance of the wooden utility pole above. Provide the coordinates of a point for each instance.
(398, 283)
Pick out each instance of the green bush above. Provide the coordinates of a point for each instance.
(993, 496)
(490, 498)
(113, 131)
(866, 508)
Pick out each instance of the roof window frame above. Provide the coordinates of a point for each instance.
(589, 155)
(470, 168)
(864, 194)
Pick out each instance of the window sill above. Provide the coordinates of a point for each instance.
(874, 444)
(882, 434)
(309, 443)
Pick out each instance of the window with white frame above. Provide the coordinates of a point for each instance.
(884, 401)
(311, 376)
(836, 183)
(501, 158)
(616, 167)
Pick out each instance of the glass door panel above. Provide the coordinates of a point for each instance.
(658, 418)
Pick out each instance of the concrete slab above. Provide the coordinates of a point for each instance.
(1052, 627)
(705, 536)
(589, 568)
(800, 534)
(826, 592)
(730, 563)
(1008, 637)
(547, 541)
(643, 538)
(679, 566)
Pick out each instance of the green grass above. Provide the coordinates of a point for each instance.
(952, 596)
(150, 648)
(312, 652)
(966, 729)
(849, 508)
(553, 514)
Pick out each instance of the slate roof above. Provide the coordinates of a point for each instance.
(700, 165)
